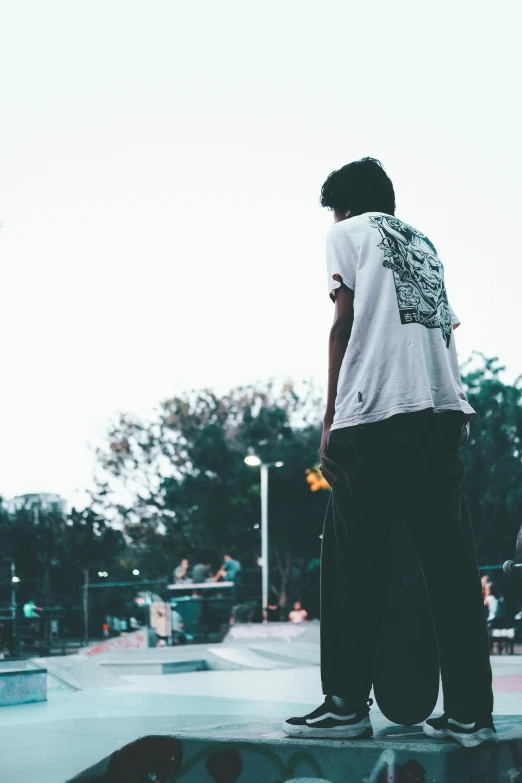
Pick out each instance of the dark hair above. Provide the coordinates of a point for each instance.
(361, 186)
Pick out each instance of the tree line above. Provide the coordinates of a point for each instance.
(176, 485)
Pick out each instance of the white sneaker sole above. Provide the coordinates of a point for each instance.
(466, 740)
(362, 730)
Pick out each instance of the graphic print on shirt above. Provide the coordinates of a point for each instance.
(418, 275)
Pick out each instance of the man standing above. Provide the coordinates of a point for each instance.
(395, 418)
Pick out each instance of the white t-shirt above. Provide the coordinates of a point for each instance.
(492, 604)
(401, 356)
(298, 615)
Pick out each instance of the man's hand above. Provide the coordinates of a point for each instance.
(329, 469)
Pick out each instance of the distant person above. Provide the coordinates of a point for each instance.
(31, 610)
(230, 569)
(493, 599)
(489, 605)
(242, 613)
(178, 635)
(498, 614)
(298, 614)
(54, 630)
(395, 417)
(485, 592)
(501, 622)
(200, 572)
(3, 642)
(181, 574)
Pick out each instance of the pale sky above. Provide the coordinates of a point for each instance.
(160, 167)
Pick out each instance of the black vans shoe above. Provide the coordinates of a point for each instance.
(468, 734)
(330, 722)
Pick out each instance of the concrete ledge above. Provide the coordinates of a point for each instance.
(261, 753)
(258, 633)
(22, 686)
(155, 667)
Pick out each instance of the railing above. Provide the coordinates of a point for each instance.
(22, 636)
(195, 601)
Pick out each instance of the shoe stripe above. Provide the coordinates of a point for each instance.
(461, 725)
(340, 718)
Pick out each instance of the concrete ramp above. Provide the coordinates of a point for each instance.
(22, 685)
(256, 633)
(302, 654)
(215, 657)
(243, 658)
(136, 640)
(110, 668)
(261, 753)
(155, 666)
(80, 673)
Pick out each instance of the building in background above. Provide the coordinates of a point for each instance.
(37, 501)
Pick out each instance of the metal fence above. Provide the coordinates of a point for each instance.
(22, 636)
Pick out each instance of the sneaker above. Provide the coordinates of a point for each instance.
(468, 734)
(330, 722)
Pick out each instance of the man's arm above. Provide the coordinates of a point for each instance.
(338, 342)
(339, 337)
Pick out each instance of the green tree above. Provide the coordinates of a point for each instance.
(493, 458)
(178, 483)
(52, 551)
(30, 537)
(88, 544)
(187, 488)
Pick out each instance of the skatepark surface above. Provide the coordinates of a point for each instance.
(222, 707)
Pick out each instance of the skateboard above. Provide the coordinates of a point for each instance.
(406, 665)
(512, 567)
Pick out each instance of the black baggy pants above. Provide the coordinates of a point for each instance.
(406, 468)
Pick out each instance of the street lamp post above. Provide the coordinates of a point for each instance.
(85, 601)
(264, 541)
(14, 581)
(254, 461)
